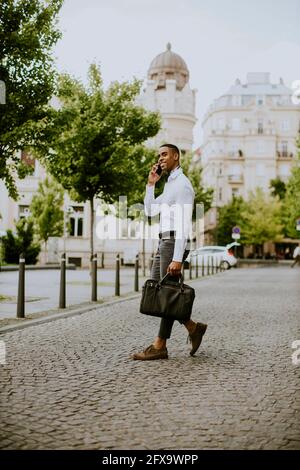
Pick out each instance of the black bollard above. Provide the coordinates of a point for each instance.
(197, 273)
(117, 282)
(202, 265)
(102, 260)
(21, 288)
(62, 292)
(212, 265)
(191, 267)
(208, 265)
(94, 278)
(136, 273)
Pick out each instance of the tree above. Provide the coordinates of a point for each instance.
(94, 141)
(46, 210)
(261, 219)
(22, 242)
(229, 216)
(291, 203)
(278, 188)
(202, 196)
(27, 35)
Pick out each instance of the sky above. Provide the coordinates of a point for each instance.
(220, 40)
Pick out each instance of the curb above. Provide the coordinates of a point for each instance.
(66, 314)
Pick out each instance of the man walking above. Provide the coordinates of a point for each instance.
(175, 206)
(296, 256)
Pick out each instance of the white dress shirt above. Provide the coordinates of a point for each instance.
(175, 206)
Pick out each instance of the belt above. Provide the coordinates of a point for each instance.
(170, 234)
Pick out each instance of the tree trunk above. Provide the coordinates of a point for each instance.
(46, 254)
(91, 233)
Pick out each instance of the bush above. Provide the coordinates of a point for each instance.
(22, 242)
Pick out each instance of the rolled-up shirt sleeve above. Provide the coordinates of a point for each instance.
(152, 205)
(183, 220)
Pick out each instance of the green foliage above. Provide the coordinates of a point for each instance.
(46, 210)
(229, 216)
(93, 144)
(95, 139)
(278, 188)
(27, 35)
(261, 219)
(291, 203)
(22, 242)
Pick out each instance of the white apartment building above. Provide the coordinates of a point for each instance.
(249, 138)
(167, 91)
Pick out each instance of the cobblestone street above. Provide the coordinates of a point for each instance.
(70, 384)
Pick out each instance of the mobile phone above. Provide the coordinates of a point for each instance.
(159, 170)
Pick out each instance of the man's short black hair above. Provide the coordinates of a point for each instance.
(172, 146)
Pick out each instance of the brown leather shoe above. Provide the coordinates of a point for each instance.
(151, 353)
(196, 337)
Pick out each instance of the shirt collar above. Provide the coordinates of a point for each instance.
(174, 173)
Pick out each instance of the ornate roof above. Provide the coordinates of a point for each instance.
(168, 66)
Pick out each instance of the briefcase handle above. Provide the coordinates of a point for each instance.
(167, 275)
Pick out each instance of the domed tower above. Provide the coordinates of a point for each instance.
(168, 66)
(168, 91)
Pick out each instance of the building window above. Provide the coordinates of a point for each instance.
(260, 100)
(260, 146)
(221, 124)
(260, 126)
(235, 170)
(284, 170)
(76, 222)
(236, 124)
(23, 212)
(220, 194)
(284, 148)
(260, 169)
(235, 192)
(285, 125)
(236, 100)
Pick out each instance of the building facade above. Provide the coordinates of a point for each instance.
(249, 138)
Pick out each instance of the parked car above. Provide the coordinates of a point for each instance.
(129, 256)
(222, 256)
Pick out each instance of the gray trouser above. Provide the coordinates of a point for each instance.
(297, 260)
(162, 259)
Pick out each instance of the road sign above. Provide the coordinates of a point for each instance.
(236, 233)
(298, 224)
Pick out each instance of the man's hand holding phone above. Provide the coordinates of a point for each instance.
(154, 174)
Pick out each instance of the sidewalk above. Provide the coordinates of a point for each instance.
(42, 289)
(70, 384)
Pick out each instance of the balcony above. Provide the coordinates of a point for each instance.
(235, 179)
(284, 155)
(236, 155)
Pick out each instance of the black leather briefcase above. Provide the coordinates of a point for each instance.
(167, 299)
